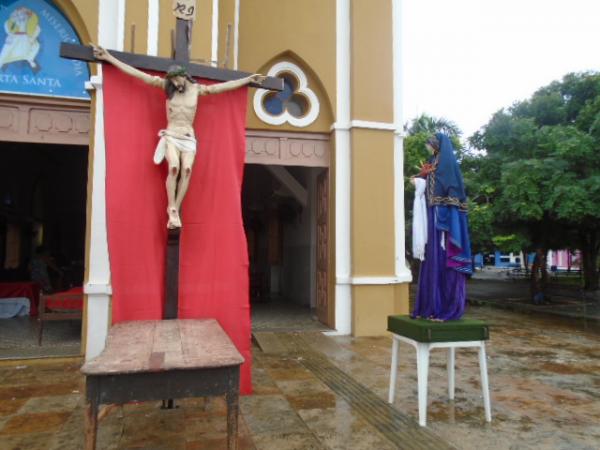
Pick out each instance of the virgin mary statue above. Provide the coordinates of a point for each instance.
(447, 258)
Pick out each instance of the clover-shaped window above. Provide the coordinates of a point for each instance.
(275, 103)
(296, 104)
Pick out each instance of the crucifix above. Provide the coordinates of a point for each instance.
(177, 144)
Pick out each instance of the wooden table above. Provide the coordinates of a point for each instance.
(163, 359)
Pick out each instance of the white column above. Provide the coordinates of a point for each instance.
(343, 290)
(120, 22)
(111, 23)
(153, 26)
(214, 55)
(97, 286)
(402, 271)
(236, 35)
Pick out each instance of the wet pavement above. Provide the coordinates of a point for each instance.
(568, 301)
(324, 392)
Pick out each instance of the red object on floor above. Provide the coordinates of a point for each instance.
(213, 278)
(27, 289)
(75, 302)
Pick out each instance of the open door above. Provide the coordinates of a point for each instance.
(322, 259)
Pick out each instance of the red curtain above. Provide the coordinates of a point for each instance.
(213, 278)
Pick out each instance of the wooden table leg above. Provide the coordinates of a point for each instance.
(233, 406)
(91, 412)
(91, 425)
(233, 409)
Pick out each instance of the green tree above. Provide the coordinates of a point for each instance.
(419, 130)
(542, 156)
(431, 125)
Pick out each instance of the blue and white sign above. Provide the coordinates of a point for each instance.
(30, 36)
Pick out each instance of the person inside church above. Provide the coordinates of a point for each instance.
(40, 267)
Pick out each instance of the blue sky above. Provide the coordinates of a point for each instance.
(465, 59)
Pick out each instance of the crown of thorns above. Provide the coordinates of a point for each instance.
(177, 71)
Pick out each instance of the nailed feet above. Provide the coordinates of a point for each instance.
(174, 220)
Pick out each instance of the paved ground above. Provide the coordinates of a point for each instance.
(493, 288)
(19, 338)
(329, 393)
(281, 315)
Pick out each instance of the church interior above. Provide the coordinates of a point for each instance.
(281, 234)
(43, 189)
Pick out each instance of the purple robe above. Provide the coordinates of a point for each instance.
(442, 291)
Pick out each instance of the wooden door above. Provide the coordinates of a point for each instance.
(322, 247)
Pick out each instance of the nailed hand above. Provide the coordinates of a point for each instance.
(258, 78)
(100, 53)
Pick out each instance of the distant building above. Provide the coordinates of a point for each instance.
(564, 259)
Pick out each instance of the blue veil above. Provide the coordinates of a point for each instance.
(446, 194)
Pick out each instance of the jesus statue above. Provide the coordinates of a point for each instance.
(177, 142)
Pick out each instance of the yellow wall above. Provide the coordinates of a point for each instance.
(371, 60)
(166, 25)
(303, 32)
(372, 197)
(372, 229)
(83, 15)
(371, 305)
(202, 32)
(136, 13)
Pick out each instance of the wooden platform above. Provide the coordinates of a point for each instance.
(157, 345)
(154, 360)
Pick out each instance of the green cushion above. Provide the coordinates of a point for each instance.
(422, 330)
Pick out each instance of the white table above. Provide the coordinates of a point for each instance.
(423, 349)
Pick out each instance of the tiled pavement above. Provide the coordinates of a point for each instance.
(545, 381)
(19, 338)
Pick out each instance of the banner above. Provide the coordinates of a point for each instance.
(213, 278)
(31, 32)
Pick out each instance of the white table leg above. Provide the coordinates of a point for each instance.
(422, 372)
(393, 370)
(450, 367)
(484, 383)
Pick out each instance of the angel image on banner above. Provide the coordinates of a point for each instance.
(21, 44)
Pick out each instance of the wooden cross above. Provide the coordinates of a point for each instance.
(182, 58)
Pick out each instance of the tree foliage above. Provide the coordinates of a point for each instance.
(542, 158)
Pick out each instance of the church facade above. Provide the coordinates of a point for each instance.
(323, 194)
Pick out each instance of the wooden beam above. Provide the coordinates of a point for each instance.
(85, 53)
(182, 35)
(171, 310)
(290, 183)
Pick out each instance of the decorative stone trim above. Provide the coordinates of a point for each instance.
(303, 89)
(287, 149)
(35, 119)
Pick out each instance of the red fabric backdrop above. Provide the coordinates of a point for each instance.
(213, 278)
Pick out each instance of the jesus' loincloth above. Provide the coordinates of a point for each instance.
(182, 142)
